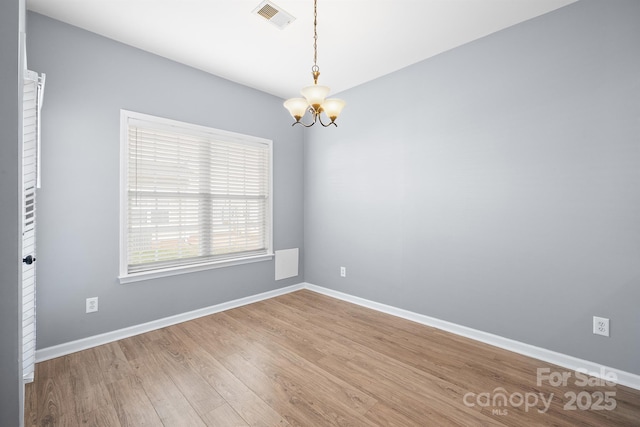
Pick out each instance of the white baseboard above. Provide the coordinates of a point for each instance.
(96, 340)
(573, 363)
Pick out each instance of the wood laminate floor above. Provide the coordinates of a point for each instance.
(304, 359)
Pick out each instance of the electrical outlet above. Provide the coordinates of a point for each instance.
(343, 271)
(601, 326)
(92, 305)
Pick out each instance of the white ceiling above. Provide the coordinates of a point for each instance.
(358, 40)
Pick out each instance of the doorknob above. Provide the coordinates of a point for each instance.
(28, 260)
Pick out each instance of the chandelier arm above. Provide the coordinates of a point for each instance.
(315, 118)
(303, 124)
(327, 125)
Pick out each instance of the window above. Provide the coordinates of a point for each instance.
(192, 197)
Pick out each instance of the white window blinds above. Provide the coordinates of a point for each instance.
(194, 195)
(32, 103)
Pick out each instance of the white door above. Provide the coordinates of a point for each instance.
(32, 96)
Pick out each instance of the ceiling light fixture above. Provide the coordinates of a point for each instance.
(314, 96)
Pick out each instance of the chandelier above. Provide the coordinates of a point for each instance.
(314, 96)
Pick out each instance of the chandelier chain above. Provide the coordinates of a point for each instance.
(315, 36)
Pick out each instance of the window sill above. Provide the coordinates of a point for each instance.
(155, 274)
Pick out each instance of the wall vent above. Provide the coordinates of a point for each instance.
(274, 14)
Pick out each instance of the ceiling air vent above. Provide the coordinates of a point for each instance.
(274, 14)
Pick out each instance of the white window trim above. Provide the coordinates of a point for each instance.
(125, 276)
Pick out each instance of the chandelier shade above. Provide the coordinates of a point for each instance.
(314, 100)
(297, 107)
(315, 95)
(333, 107)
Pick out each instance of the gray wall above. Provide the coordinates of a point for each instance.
(495, 186)
(89, 79)
(11, 23)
